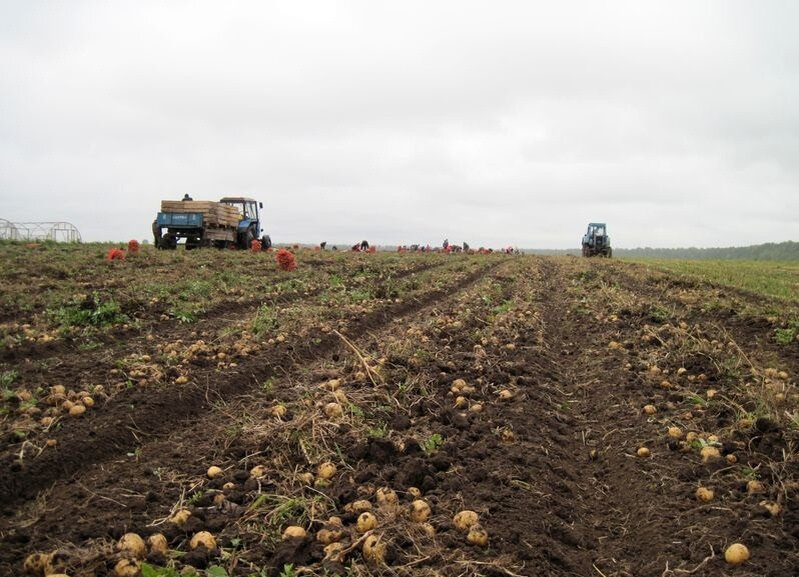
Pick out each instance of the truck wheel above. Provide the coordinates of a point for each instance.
(168, 242)
(245, 240)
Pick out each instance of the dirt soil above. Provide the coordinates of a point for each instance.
(521, 388)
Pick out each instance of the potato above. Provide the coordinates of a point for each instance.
(329, 535)
(359, 506)
(736, 554)
(36, 563)
(428, 529)
(333, 410)
(457, 385)
(420, 511)
(219, 498)
(705, 494)
(58, 390)
(294, 532)
(386, 497)
(476, 408)
(643, 452)
(774, 509)
(333, 384)
(477, 536)
(305, 478)
(753, 487)
(461, 402)
(335, 552)
(258, 471)
(133, 545)
(374, 550)
(87, 401)
(203, 538)
(709, 454)
(650, 409)
(675, 432)
(326, 471)
(180, 517)
(465, 520)
(229, 486)
(158, 543)
(214, 472)
(278, 411)
(366, 522)
(126, 568)
(77, 410)
(341, 397)
(505, 395)
(182, 380)
(414, 492)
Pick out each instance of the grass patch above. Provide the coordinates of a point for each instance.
(771, 278)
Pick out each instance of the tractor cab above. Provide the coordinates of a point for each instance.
(250, 225)
(596, 241)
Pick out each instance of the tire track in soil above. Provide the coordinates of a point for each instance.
(645, 516)
(113, 432)
(172, 450)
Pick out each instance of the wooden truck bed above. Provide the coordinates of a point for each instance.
(214, 213)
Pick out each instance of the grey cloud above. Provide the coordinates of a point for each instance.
(499, 123)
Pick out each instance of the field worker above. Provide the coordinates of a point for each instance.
(187, 197)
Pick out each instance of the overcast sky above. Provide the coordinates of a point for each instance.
(407, 122)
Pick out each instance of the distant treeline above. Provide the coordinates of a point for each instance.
(788, 250)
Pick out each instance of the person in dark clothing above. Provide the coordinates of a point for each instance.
(187, 197)
(364, 245)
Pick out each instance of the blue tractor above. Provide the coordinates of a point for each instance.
(596, 241)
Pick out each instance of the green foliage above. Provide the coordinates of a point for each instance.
(786, 336)
(92, 311)
(8, 378)
(266, 320)
(502, 308)
(288, 570)
(658, 314)
(378, 431)
(184, 315)
(770, 278)
(432, 443)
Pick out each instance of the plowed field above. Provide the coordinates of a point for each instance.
(575, 405)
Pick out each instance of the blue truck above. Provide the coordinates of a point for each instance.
(233, 222)
(596, 241)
